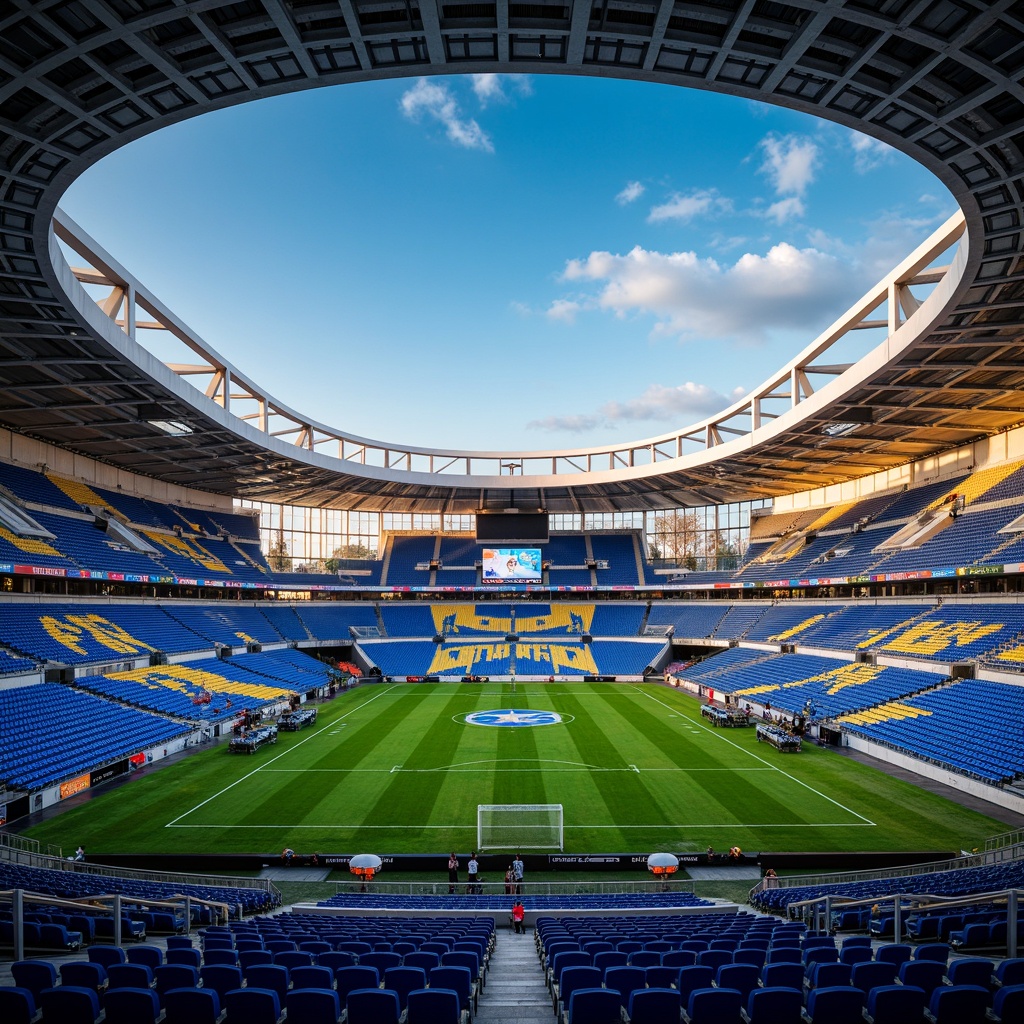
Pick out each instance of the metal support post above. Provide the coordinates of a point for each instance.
(18, 922)
(1012, 916)
(117, 920)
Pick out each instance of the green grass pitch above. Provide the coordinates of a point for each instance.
(395, 769)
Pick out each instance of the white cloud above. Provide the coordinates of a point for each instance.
(869, 153)
(633, 191)
(428, 99)
(694, 297)
(790, 162)
(490, 87)
(789, 208)
(686, 207)
(564, 310)
(683, 403)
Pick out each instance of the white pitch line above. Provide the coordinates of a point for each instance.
(463, 825)
(316, 732)
(553, 771)
(718, 735)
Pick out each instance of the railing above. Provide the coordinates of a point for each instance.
(567, 888)
(25, 852)
(822, 911)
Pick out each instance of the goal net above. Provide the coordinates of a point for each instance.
(519, 826)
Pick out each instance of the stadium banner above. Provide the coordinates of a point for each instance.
(77, 785)
(38, 570)
(110, 771)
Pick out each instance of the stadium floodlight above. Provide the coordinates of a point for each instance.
(519, 827)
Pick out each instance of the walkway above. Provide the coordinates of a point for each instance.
(515, 989)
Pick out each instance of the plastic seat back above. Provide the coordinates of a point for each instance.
(714, 1006)
(775, 1006)
(222, 978)
(783, 976)
(897, 1004)
(189, 957)
(69, 1004)
(175, 976)
(151, 956)
(131, 1005)
(34, 975)
(594, 1006)
(972, 970)
(350, 978)
(252, 1006)
(959, 1004)
(433, 1006)
(625, 981)
(654, 1006)
(714, 958)
(372, 1006)
(382, 961)
(272, 976)
(129, 976)
(853, 955)
(840, 1004)
(313, 1005)
(107, 955)
(311, 976)
(220, 957)
(250, 957)
(421, 959)
(17, 1005)
(894, 953)
(690, 979)
(829, 975)
(404, 980)
(459, 981)
(938, 951)
(873, 975)
(1008, 1005)
(923, 974)
(742, 977)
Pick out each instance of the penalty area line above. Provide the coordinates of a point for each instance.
(249, 775)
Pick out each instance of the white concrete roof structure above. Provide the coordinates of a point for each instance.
(937, 79)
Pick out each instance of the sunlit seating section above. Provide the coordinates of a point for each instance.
(693, 620)
(470, 658)
(290, 668)
(69, 634)
(724, 664)
(952, 632)
(225, 623)
(154, 625)
(790, 681)
(462, 619)
(737, 620)
(620, 552)
(973, 727)
(36, 488)
(555, 619)
(33, 550)
(185, 556)
(140, 511)
(91, 547)
(50, 732)
(554, 658)
(204, 690)
(789, 622)
(406, 554)
(331, 621)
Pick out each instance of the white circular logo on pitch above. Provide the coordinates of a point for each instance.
(513, 718)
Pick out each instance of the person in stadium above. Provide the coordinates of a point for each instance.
(510, 881)
(711, 854)
(472, 867)
(518, 915)
(80, 853)
(453, 872)
(518, 871)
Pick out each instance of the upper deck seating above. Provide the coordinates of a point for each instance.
(406, 554)
(611, 619)
(331, 620)
(226, 623)
(692, 620)
(285, 620)
(620, 552)
(408, 620)
(36, 488)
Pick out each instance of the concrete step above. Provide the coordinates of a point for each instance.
(515, 989)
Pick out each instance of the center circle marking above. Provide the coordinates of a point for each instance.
(513, 718)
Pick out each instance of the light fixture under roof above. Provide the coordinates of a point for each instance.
(172, 427)
(839, 429)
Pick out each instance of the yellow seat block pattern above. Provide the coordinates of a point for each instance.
(83, 494)
(186, 548)
(890, 712)
(195, 680)
(30, 545)
(452, 619)
(975, 486)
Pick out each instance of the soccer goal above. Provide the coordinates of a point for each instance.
(519, 826)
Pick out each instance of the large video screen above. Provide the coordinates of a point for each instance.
(519, 528)
(512, 565)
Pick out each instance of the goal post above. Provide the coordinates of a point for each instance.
(519, 826)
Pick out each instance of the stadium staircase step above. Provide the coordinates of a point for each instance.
(515, 989)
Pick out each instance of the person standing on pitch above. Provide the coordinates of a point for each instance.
(472, 867)
(453, 872)
(517, 874)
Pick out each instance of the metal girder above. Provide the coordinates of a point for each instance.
(938, 82)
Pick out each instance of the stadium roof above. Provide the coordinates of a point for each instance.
(937, 79)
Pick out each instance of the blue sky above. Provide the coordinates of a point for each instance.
(507, 262)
